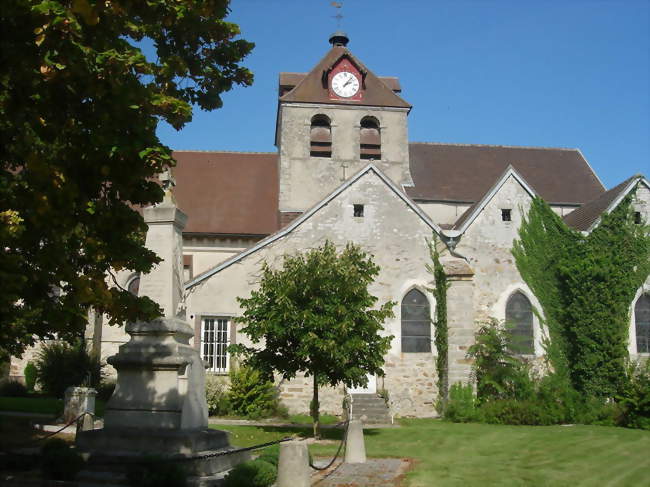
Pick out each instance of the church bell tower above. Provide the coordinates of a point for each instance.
(332, 122)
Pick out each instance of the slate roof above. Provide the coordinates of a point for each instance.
(583, 218)
(228, 192)
(312, 89)
(465, 173)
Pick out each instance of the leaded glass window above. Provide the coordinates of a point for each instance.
(416, 323)
(214, 344)
(642, 322)
(519, 320)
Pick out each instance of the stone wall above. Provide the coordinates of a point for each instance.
(297, 395)
(411, 383)
(306, 180)
(487, 244)
(444, 212)
(396, 237)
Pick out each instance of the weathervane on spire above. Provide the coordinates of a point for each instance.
(339, 15)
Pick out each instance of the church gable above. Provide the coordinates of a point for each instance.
(368, 209)
(508, 194)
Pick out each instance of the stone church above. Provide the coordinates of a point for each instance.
(345, 170)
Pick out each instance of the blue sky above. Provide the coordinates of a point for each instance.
(549, 73)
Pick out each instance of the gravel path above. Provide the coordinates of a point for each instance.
(376, 472)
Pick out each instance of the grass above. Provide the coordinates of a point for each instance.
(40, 405)
(306, 419)
(478, 454)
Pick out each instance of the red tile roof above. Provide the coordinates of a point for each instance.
(584, 217)
(288, 82)
(464, 173)
(237, 192)
(228, 192)
(312, 90)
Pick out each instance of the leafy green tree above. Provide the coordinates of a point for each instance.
(79, 107)
(316, 316)
(585, 284)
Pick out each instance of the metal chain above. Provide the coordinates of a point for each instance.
(343, 441)
(145, 460)
(231, 452)
(35, 441)
(207, 455)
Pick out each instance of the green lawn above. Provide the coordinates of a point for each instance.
(41, 405)
(478, 455)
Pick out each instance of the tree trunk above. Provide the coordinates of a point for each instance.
(315, 410)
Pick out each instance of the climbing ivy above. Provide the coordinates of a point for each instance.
(585, 284)
(440, 325)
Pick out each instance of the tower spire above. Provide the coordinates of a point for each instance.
(339, 38)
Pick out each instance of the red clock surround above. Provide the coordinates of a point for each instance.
(345, 64)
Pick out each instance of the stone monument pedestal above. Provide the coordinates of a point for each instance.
(158, 410)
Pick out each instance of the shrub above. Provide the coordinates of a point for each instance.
(13, 388)
(516, 412)
(255, 473)
(105, 390)
(156, 472)
(59, 461)
(271, 455)
(251, 395)
(460, 407)
(499, 374)
(30, 376)
(216, 395)
(508, 393)
(635, 397)
(60, 365)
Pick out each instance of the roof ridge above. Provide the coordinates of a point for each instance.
(223, 151)
(497, 145)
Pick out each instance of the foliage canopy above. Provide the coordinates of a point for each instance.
(585, 284)
(315, 315)
(79, 107)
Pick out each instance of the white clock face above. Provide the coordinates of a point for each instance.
(345, 84)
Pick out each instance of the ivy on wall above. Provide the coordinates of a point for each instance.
(441, 334)
(585, 285)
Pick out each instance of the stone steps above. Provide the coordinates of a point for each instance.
(370, 409)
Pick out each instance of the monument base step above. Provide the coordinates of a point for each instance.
(202, 453)
(139, 441)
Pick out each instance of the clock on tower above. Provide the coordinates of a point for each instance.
(345, 81)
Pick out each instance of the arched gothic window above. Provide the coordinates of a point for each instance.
(519, 319)
(370, 139)
(320, 137)
(642, 323)
(416, 323)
